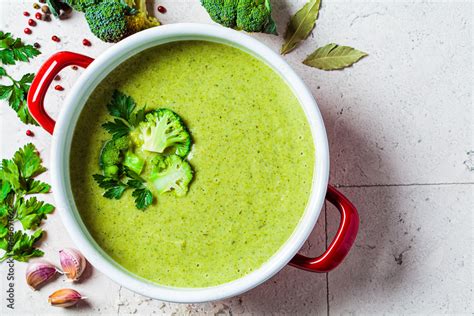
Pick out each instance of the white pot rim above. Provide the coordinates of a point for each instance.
(67, 120)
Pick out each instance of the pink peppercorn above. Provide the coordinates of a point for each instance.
(27, 31)
(59, 88)
(161, 9)
(29, 133)
(86, 42)
(55, 38)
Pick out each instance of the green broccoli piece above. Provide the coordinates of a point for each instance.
(116, 152)
(107, 20)
(133, 162)
(255, 16)
(141, 20)
(247, 15)
(223, 12)
(171, 173)
(162, 129)
(81, 5)
(112, 20)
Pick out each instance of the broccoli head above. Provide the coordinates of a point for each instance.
(141, 20)
(81, 5)
(247, 15)
(107, 20)
(112, 20)
(223, 12)
(255, 16)
(170, 173)
(162, 130)
(116, 152)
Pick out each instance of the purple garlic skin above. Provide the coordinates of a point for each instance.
(73, 263)
(65, 298)
(39, 272)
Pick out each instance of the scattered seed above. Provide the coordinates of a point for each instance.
(31, 22)
(29, 133)
(86, 42)
(47, 18)
(55, 38)
(161, 9)
(36, 45)
(27, 31)
(74, 68)
(36, 6)
(41, 1)
(38, 16)
(57, 78)
(45, 9)
(59, 88)
(26, 13)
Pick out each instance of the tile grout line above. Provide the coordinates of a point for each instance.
(327, 274)
(401, 184)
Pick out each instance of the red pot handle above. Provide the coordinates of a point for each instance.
(43, 80)
(342, 243)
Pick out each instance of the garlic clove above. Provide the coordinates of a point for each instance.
(65, 298)
(39, 272)
(73, 263)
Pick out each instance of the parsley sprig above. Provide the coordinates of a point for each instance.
(122, 108)
(126, 116)
(16, 94)
(16, 183)
(11, 51)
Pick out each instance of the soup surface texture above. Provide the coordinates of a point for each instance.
(253, 158)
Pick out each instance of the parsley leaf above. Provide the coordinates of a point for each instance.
(114, 188)
(121, 106)
(13, 49)
(16, 93)
(17, 181)
(31, 212)
(23, 246)
(118, 128)
(143, 198)
(28, 161)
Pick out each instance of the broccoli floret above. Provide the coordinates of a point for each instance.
(118, 151)
(171, 173)
(107, 20)
(247, 15)
(81, 5)
(162, 129)
(112, 20)
(255, 16)
(223, 12)
(110, 154)
(133, 162)
(141, 20)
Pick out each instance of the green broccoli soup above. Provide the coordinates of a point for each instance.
(252, 159)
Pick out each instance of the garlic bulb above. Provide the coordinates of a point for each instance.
(73, 263)
(65, 298)
(39, 272)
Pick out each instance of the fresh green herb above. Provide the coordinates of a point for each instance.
(333, 56)
(16, 93)
(159, 139)
(16, 182)
(13, 49)
(247, 15)
(300, 25)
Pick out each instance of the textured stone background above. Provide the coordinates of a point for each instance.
(400, 125)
